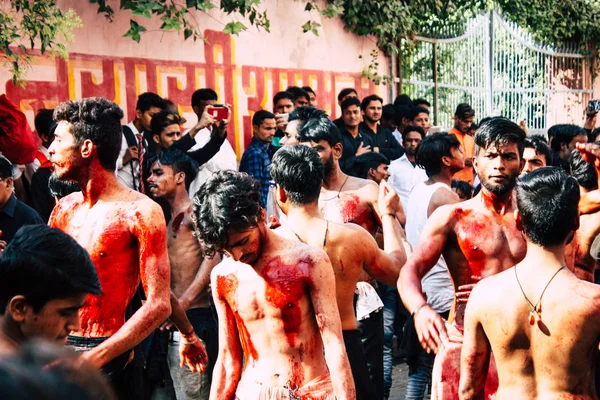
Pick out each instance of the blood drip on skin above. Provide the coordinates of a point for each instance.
(177, 223)
(285, 287)
(473, 232)
(351, 209)
(226, 288)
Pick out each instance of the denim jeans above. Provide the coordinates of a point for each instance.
(419, 377)
(390, 299)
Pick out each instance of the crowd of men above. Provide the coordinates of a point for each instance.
(177, 274)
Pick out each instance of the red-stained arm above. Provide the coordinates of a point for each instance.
(149, 229)
(322, 294)
(475, 354)
(191, 349)
(228, 367)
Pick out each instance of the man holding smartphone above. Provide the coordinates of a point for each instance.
(591, 114)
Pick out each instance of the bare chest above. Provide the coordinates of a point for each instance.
(348, 207)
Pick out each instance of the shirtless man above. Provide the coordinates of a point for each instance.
(298, 172)
(344, 199)
(578, 257)
(541, 322)
(122, 230)
(171, 173)
(36, 301)
(478, 238)
(277, 312)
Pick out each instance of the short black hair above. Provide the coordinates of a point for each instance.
(259, 117)
(414, 111)
(352, 101)
(98, 120)
(499, 130)
(540, 148)
(59, 188)
(308, 89)
(401, 112)
(161, 120)
(44, 264)
(564, 134)
(227, 200)
(463, 186)
(463, 111)
(413, 128)
(584, 173)
(299, 171)
(366, 161)
(43, 121)
(388, 112)
(402, 100)
(547, 199)
(146, 101)
(203, 95)
(345, 92)
(431, 150)
(421, 102)
(179, 161)
(297, 92)
(317, 127)
(6, 168)
(281, 96)
(305, 112)
(367, 100)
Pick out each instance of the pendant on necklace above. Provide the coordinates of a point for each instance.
(532, 317)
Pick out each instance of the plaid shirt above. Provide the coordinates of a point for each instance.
(255, 162)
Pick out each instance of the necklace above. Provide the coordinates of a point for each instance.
(535, 311)
(337, 196)
(324, 238)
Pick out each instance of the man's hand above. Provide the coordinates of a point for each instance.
(282, 121)
(463, 292)
(590, 152)
(362, 149)
(130, 154)
(192, 353)
(388, 201)
(205, 120)
(590, 121)
(431, 329)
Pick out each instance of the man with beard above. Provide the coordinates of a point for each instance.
(383, 140)
(478, 238)
(280, 334)
(344, 199)
(124, 233)
(355, 141)
(298, 172)
(404, 172)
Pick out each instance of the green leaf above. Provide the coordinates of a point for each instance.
(187, 33)
(234, 28)
(134, 31)
(309, 6)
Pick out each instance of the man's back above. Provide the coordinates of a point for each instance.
(270, 306)
(553, 358)
(578, 257)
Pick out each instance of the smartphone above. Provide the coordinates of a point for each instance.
(218, 111)
(593, 107)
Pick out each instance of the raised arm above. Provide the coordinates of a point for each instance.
(475, 355)
(322, 294)
(228, 367)
(429, 325)
(149, 229)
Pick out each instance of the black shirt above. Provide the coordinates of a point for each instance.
(350, 145)
(41, 199)
(385, 140)
(14, 215)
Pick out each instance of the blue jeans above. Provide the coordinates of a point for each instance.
(390, 299)
(419, 377)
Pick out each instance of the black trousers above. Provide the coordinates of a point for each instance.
(365, 390)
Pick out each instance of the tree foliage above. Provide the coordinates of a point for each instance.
(44, 23)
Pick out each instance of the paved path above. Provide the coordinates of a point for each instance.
(399, 380)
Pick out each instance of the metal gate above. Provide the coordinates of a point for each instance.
(498, 69)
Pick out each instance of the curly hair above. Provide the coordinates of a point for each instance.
(98, 120)
(227, 200)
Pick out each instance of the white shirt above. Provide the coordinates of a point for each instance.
(398, 136)
(436, 283)
(130, 173)
(224, 159)
(404, 177)
(35, 164)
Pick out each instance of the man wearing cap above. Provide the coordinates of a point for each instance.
(463, 119)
